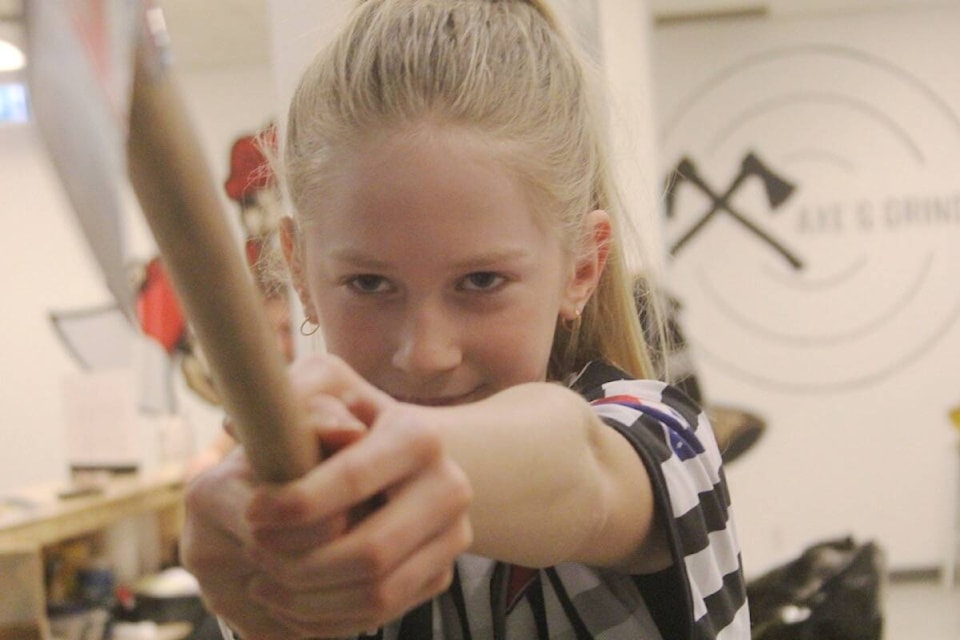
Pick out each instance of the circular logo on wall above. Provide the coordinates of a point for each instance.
(812, 217)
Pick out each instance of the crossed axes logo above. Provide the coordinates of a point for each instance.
(777, 189)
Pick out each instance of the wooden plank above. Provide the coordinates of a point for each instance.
(23, 604)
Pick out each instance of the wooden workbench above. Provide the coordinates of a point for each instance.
(35, 518)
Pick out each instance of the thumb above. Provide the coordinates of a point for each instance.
(329, 375)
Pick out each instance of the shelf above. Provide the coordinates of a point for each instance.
(37, 518)
(46, 518)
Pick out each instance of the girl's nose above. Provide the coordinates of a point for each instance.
(429, 343)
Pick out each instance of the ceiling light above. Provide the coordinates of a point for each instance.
(11, 58)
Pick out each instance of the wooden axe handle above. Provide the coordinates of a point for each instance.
(181, 205)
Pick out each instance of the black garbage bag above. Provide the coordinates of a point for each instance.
(833, 591)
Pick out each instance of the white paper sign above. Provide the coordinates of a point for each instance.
(100, 419)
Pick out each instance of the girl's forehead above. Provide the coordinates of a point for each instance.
(429, 166)
(442, 171)
(426, 195)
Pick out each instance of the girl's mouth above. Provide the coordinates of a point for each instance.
(440, 401)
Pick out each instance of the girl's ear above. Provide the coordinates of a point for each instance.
(293, 254)
(589, 264)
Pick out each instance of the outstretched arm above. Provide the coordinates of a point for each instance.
(552, 482)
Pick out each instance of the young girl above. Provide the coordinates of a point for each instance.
(496, 467)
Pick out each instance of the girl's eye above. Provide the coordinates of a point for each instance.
(369, 284)
(482, 281)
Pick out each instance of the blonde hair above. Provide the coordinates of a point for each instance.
(507, 71)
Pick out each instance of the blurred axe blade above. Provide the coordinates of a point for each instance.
(98, 338)
(147, 138)
(79, 76)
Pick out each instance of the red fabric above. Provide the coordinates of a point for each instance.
(520, 579)
(158, 308)
(249, 170)
(630, 401)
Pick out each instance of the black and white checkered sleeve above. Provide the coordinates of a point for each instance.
(674, 440)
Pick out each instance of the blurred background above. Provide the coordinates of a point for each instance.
(795, 164)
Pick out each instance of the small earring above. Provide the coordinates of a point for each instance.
(571, 325)
(307, 330)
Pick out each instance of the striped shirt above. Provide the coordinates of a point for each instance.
(701, 596)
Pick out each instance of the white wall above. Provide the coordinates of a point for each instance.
(42, 268)
(858, 440)
(780, 7)
(45, 266)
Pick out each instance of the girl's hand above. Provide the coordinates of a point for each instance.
(217, 539)
(368, 534)
(406, 507)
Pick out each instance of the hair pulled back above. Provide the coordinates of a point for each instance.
(505, 70)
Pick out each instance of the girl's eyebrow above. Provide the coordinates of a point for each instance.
(359, 259)
(495, 257)
(479, 261)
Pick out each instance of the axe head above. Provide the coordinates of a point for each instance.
(75, 104)
(778, 189)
